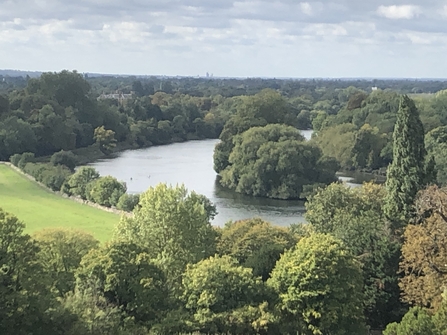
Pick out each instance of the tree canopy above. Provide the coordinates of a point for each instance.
(274, 161)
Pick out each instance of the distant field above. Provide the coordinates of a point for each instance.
(39, 208)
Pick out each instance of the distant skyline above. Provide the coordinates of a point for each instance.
(284, 38)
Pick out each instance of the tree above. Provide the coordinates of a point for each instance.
(60, 254)
(106, 191)
(405, 175)
(65, 158)
(338, 141)
(436, 144)
(126, 277)
(255, 244)
(416, 322)
(127, 202)
(319, 284)
(260, 109)
(24, 295)
(77, 182)
(421, 321)
(275, 162)
(367, 147)
(223, 297)
(355, 216)
(16, 136)
(173, 225)
(424, 252)
(105, 139)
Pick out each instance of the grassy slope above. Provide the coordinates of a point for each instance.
(39, 208)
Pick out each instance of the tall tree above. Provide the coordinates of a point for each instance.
(319, 285)
(173, 226)
(406, 174)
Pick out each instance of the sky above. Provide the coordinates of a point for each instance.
(262, 38)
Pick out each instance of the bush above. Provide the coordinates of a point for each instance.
(77, 183)
(106, 191)
(27, 157)
(35, 170)
(417, 321)
(15, 159)
(127, 202)
(65, 158)
(51, 176)
(55, 177)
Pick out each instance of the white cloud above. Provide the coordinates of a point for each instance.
(306, 8)
(287, 38)
(399, 12)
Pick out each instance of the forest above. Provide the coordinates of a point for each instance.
(368, 259)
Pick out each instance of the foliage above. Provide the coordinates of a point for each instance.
(106, 191)
(416, 322)
(355, 216)
(255, 244)
(173, 225)
(424, 252)
(223, 297)
(60, 253)
(96, 316)
(51, 176)
(105, 139)
(77, 183)
(275, 162)
(24, 294)
(125, 276)
(127, 202)
(263, 108)
(65, 158)
(25, 158)
(319, 285)
(436, 144)
(406, 173)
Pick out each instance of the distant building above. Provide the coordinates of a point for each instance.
(120, 96)
(375, 88)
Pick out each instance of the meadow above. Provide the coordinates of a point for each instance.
(39, 208)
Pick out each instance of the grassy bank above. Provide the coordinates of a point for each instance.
(39, 208)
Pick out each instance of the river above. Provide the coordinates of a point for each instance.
(191, 163)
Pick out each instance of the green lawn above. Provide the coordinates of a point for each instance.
(39, 208)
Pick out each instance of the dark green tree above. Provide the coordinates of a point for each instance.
(406, 174)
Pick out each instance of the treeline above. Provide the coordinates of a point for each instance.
(59, 112)
(359, 135)
(84, 183)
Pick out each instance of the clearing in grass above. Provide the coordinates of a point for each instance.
(39, 208)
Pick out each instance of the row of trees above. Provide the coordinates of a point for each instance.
(84, 183)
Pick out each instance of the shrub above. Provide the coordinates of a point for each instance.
(65, 158)
(15, 159)
(26, 158)
(54, 177)
(51, 176)
(77, 183)
(127, 202)
(106, 191)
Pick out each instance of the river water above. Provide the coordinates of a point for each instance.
(191, 163)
